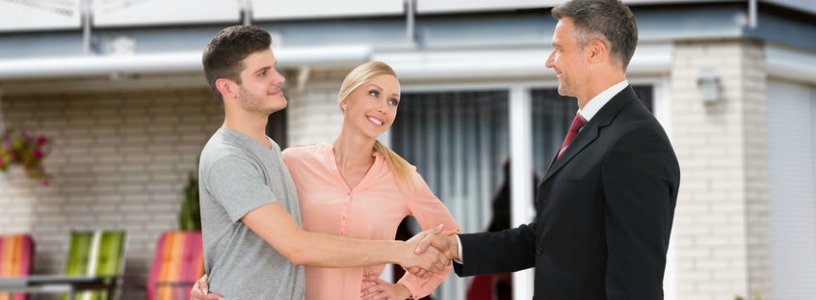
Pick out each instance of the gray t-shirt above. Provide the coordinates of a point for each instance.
(238, 174)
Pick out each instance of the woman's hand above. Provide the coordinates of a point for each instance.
(200, 289)
(382, 290)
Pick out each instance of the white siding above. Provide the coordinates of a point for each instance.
(279, 10)
(792, 193)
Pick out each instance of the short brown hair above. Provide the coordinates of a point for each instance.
(608, 20)
(223, 55)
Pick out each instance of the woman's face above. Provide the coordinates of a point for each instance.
(372, 107)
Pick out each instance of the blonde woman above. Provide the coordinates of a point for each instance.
(356, 187)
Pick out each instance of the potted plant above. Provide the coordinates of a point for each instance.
(189, 217)
(27, 150)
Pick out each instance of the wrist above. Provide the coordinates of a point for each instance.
(404, 253)
(403, 292)
(453, 242)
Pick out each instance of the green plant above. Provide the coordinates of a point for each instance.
(190, 215)
(757, 296)
(26, 150)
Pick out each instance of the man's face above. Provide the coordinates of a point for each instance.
(261, 84)
(567, 58)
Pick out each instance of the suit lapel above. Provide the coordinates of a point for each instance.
(584, 138)
(592, 130)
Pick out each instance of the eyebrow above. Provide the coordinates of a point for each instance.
(274, 64)
(381, 89)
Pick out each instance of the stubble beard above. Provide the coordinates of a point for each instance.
(252, 103)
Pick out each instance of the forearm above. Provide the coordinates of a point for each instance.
(494, 252)
(317, 249)
(328, 251)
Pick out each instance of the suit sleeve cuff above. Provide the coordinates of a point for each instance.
(459, 248)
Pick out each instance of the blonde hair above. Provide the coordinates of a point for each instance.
(403, 171)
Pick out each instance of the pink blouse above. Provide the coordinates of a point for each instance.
(372, 210)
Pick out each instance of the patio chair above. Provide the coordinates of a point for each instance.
(97, 253)
(177, 264)
(16, 259)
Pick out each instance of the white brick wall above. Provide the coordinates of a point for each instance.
(721, 219)
(119, 160)
(314, 115)
(755, 81)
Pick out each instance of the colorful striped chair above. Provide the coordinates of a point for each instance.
(97, 253)
(178, 263)
(16, 259)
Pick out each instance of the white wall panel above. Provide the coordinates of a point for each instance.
(300, 9)
(445, 6)
(154, 12)
(792, 193)
(806, 5)
(452, 6)
(39, 15)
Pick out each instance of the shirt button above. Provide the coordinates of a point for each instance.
(539, 250)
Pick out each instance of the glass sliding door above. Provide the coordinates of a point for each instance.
(458, 141)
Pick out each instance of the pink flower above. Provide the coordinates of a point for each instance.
(27, 150)
(27, 137)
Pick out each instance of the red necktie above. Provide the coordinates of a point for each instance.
(576, 126)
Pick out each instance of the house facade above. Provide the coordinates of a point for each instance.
(119, 89)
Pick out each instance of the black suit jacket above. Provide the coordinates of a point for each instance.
(604, 214)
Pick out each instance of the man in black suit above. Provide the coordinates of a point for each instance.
(605, 207)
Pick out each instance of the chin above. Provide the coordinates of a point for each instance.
(279, 103)
(372, 133)
(565, 92)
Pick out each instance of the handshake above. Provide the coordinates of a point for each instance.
(430, 253)
(424, 255)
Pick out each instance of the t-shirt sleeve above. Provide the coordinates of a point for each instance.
(238, 185)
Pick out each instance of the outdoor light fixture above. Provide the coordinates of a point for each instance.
(709, 82)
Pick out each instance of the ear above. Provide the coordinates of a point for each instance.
(596, 51)
(227, 88)
(343, 105)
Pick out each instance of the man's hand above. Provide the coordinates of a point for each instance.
(427, 263)
(200, 289)
(445, 244)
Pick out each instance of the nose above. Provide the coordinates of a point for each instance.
(383, 107)
(549, 64)
(278, 79)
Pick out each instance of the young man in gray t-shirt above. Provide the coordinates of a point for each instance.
(254, 247)
(238, 174)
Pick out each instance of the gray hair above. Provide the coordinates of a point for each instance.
(607, 20)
